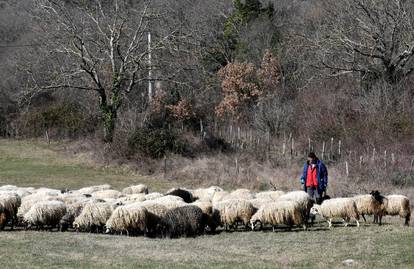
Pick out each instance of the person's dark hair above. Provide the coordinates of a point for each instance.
(312, 155)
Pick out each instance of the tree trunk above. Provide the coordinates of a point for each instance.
(109, 118)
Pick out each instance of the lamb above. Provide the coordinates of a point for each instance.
(45, 213)
(92, 189)
(184, 194)
(227, 213)
(344, 208)
(132, 219)
(280, 212)
(93, 217)
(107, 194)
(368, 204)
(9, 204)
(273, 195)
(397, 205)
(183, 221)
(140, 188)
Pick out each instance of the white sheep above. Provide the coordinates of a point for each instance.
(304, 201)
(280, 212)
(93, 216)
(228, 212)
(45, 213)
(241, 194)
(9, 204)
(219, 196)
(153, 195)
(140, 188)
(92, 189)
(259, 202)
(107, 194)
(344, 208)
(273, 195)
(133, 198)
(29, 200)
(205, 194)
(132, 219)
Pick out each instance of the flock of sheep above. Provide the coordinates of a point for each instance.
(182, 212)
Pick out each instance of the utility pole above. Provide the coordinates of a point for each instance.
(150, 93)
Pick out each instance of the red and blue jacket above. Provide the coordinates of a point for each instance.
(322, 176)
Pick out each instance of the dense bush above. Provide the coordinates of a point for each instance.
(60, 120)
(155, 143)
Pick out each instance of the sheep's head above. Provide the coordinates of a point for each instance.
(76, 226)
(254, 222)
(315, 210)
(377, 196)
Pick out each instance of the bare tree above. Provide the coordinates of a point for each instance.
(374, 38)
(99, 46)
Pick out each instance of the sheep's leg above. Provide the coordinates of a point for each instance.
(304, 227)
(357, 222)
(407, 220)
(363, 217)
(273, 228)
(330, 223)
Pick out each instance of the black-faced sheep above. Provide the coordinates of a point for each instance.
(183, 221)
(344, 208)
(368, 204)
(396, 205)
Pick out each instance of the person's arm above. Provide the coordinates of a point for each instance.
(324, 171)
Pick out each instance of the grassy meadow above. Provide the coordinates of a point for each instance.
(31, 163)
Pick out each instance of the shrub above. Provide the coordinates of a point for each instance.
(155, 143)
(60, 120)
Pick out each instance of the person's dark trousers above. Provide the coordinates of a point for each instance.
(314, 194)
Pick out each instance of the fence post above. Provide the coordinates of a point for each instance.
(331, 150)
(323, 149)
(347, 169)
(339, 149)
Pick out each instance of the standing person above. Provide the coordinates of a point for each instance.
(314, 178)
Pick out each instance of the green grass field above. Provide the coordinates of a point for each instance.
(29, 163)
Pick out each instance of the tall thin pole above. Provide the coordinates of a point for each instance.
(150, 94)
